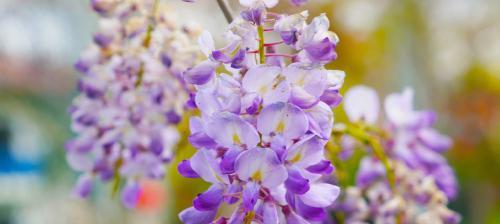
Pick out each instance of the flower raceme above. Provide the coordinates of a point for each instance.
(265, 120)
(267, 3)
(131, 96)
(424, 182)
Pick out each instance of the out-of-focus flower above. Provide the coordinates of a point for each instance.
(131, 96)
(424, 182)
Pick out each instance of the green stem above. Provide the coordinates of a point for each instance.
(378, 150)
(147, 40)
(262, 53)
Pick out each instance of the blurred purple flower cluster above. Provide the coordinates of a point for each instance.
(424, 182)
(265, 120)
(131, 96)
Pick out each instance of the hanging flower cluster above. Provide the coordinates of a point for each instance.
(131, 96)
(423, 181)
(268, 3)
(265, 119)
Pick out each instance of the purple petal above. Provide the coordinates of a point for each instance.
(434, 140)
(254, 15)
(250, 195)
(296, 183)
(323, 167)
(201, 140)
(156, 146)
(233, 189)
(251, 102)
(130, 194)
(83, 186)
(210, 199)
(193, 216)
(201, 73)
(186, 170)
(322, 51)
(331, 97)
(228, 160)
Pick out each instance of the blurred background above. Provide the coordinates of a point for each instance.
(448, 50)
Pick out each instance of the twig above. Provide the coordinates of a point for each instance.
(225, 10)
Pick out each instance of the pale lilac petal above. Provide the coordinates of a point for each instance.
(302, 99)
(320, 195)
(434, 140)
(313, 81)
(321, 120)
(266, 82)
(399, 108)
(206, 43)
(361, 103)
(293, 218)
(268, 169)
(79, 162)
(270, 213)
(307, 152)
(278, 194)
(369, 171)
(204, 164)
(296, 183)
(228, 129)
(282, 118)
(193, 216)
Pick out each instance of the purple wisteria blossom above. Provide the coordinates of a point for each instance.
(131, 96)
(424, 182)
(265, 120)
(267, 3)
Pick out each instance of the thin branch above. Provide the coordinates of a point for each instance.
(225, 10)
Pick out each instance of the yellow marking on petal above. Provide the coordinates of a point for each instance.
(263, 90)
(278, 80)
(281, 127)
(257, 176)
(236, 139)
(249, 216)
(296, 158)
